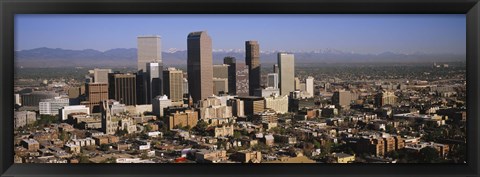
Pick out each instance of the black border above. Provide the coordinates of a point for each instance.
(10, 7)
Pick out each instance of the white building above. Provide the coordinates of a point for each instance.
(272, 80)
(309, 87)
(51, 106)
(159, 103)
(277, 103)
(266, 92)
(66, 110)
(286, 65)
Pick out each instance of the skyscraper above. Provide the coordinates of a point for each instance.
(286, 65)
(342, 98)
(149, 50)
(252, 59)
(272, 80)
(237, 77)
(275, 68)
(232, 77)
(96, 93)
(173, 84)
(101, 75)
(154, 78)
(309, 86)
(199, 65)
(122, 87)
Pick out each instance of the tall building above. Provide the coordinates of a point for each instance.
(199, 65)
(149, 50)
(286, 65)
(122, 87)
(275, 68)
(159, 103)
(96, 93)
(342, 98)
(297, 84)
(220, 86)
(252, 59)
(101, 75)
(238, 83)
(237, 107)
(309, 87)
(220, 71)
(154, 78)
(173, 84)
(272, 80)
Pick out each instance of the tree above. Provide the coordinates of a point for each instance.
(429, 155)
(84, 159)
(121, 132)
(237, 134)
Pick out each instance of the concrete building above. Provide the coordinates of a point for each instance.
(252, 59)
(65, 111)
(186, 118)
(199, 65)
(122, 87)
(220, 86)
(220, 71)
(266, 92)
(343, 158)
(384, 98)
(109, 126)
(30, 144)
(96, 93)
(272, 80)
(23, 118)
(275, 68)
(253, 105)
(101, 75)
(149, 49)
(223, 131)
(248, 156)
(159, 103)
(33, 98)
(210, 156)
(154, 80)
(17, 99)
(309, 87)
(341, 98)
(173, 84)
(297, 84)
(51, 106)
(237, 77)
(277, 103)
(286, 65)
(237, 105)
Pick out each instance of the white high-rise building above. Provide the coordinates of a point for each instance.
(309, 86)
(149, 50)
(277, 103)
(272, 80)
(286, 65)
(154, 78)
(51, 106)
(65, 111)
(159, 103)
(101, 75)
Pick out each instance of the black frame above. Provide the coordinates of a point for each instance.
(8, 8)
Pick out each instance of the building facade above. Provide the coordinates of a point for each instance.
(199, 65)
(286, 65)
(252, 59)
(122, 87)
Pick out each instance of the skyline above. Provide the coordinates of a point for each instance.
(412, 33)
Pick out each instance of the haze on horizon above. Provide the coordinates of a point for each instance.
(366, 34)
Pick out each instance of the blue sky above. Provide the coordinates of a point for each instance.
(352, 33)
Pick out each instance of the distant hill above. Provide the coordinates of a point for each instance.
(121, 57)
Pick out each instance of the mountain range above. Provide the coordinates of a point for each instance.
(122, 57)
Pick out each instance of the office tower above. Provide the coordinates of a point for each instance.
(52, 105)
(272, 80)
(341, 98)
(237, 77)
(96, 93)
(101, 75)
(385, 97)
(297, 84)
(252, 105)
(159, 103)
(173, 84)
(123, 88)
(154, 81)
(185, 86)
(199, 65)
(275, 68)
(252, 59)
(220, 71)
(286, 65)
(232, 74)
(149, 50)
(220, 86)
(309, 86)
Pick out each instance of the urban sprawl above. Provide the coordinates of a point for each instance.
(237, 113)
